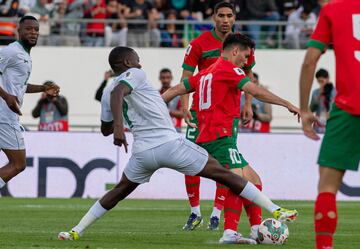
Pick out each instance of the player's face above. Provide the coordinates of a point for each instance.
(224, 20)
(135, 60)
(242, 56)
(165, 79)
(29, 32)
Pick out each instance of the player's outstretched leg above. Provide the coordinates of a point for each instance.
(16, 164)
(195, 220)
(240, 186)
(107, 202)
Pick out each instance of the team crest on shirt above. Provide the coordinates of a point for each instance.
(128, 75)
(239, 71)
(188, 49)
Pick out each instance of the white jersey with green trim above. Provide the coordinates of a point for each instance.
(15, 69)
(144, 111)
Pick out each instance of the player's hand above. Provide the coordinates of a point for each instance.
(52, 89)
(188, 117)
(120, 138)
(13, 103)
(294, 110)
(308, 119)
(246, 114)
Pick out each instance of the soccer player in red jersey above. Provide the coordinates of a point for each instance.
(203, 52)
(339, 24)
(218, 90)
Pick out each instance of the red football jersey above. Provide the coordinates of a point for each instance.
(339, 23)
(203, 51)
(218, 90)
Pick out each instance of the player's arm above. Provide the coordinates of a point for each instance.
(185, 97)
(247, 112)
(49, 88)
(116, 105)
(265, 95)
(174, 91)
(306, 79)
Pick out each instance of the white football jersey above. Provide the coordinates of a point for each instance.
(15, 69)
(144, 111)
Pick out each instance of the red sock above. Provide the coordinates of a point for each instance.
(220, 195)
(325, 217)
(192, 184)
(253, 211)
(232, 211)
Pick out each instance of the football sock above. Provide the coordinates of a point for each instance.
(325, 218)
(2, 183)
(94, 213)
(232, 211)
(216, 212)
(196, 210)
(192, 184)
(253, 194)
(221, 192)
(253, 211)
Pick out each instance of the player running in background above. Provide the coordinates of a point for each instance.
(203, 52)
(15, 69)
(156, 143)
(339, 24)
(218, 90)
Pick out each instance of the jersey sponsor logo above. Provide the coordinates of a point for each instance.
(188, 50)
(239, 71)
(128, 75)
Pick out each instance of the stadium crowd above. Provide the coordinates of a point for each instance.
(155, 23)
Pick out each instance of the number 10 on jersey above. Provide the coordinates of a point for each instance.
(205, 92)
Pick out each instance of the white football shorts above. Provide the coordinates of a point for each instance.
(179, 154)
(11, 137)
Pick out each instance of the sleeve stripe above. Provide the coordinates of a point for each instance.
(187, 67)
(187, 83)
(126, 83)
(249, 67)
(243, 82)
(316, 44)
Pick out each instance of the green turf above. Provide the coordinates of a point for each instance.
(35, 223)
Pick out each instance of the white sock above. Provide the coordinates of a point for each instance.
(2, 183)
(196, 210)
(229, 231)
(94, 213)
(216, 212)
(253, 194)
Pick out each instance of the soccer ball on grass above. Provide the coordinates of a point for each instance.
(273, 232)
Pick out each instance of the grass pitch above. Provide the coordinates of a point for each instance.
(143, 224)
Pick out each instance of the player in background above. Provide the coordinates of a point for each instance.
(156, 144)
(15, 69)
(202, 52)
(339, 24)
(218, 90)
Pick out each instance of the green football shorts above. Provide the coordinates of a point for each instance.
(225, 151)
(192, 133)
(340, 147)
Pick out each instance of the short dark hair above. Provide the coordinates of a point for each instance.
(238, 39)
(165, 70)
(27, 17)
(322, 73)
(117, 54)
(224, 4)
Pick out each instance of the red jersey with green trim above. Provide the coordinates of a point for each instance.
(339, 23)
(203, 51)
(218, 90)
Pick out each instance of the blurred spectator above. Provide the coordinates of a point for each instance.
(170, 37)
(182, 7)
(99, 92)
(64, 33)
(138, 34)
(202, 9)
(262, 114)
(95, 31)
(26, 5)
(52, 111)
(115, 33)
(322, 99)
(174, 105)
(286, 7)
(320, 4)
(300, 26)
(8, 8)
(262, 10)
(42, 12)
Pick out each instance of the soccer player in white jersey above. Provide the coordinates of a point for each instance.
(15, 69)
(156, 143)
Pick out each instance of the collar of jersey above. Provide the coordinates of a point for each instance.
(215, 35)
(22, 45)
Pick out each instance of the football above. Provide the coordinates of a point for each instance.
(273, 232)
